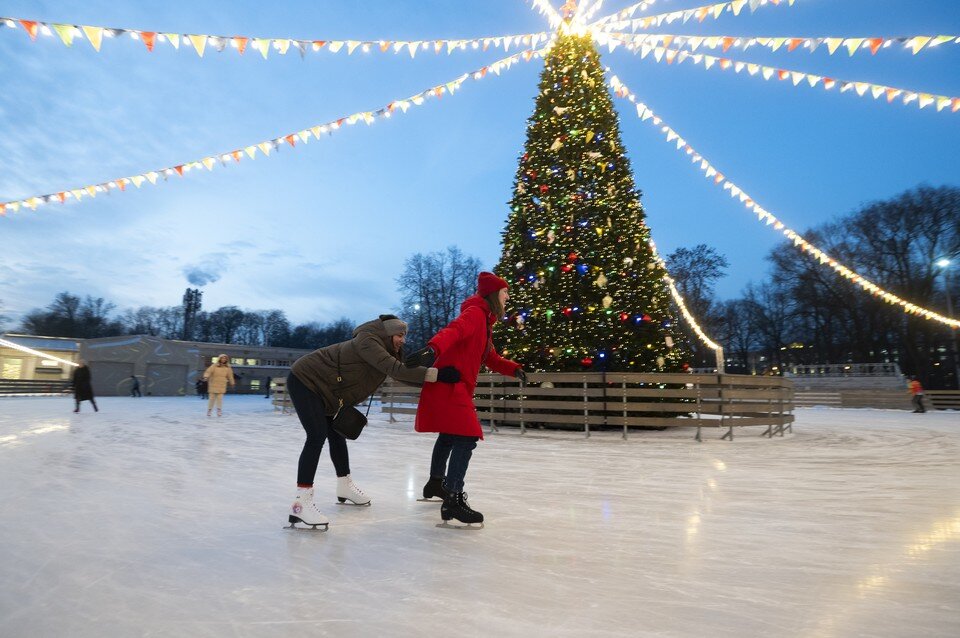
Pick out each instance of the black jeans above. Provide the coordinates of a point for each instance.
(458, 449)
(313, 417)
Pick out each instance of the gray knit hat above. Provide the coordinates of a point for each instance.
(393, 326)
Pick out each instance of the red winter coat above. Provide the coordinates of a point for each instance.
(466, 344)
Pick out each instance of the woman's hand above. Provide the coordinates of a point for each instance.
(448, 374)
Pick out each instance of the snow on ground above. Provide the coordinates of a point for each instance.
(149, 519)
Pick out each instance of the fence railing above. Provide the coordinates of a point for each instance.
(29, 386)
(845, 370)
(623, 400)
(943, 399)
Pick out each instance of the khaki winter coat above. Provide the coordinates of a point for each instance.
(365, 361)
(218, 376)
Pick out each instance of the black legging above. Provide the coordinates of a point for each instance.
(313, 417)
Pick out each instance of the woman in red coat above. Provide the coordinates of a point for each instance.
(465, 344)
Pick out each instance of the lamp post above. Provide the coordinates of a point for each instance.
(945, 265)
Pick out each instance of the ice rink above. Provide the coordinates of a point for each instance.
(150, 519)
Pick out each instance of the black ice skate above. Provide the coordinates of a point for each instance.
(455, 507)
(434, 488)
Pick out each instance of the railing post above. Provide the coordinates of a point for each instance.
(392, 420)
(586, 409)
(723, 404)
(699, 388)
(624, 386)
(493, 420)
(520, 394)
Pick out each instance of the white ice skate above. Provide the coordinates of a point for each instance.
(347, 491)
(305, 511)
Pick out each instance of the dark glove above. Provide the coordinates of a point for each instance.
(448, 374)
(521, 375)
(423, 357)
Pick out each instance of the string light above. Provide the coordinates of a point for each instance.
(646, 114)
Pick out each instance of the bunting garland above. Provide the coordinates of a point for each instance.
(915, 43)
(265, 147)
(95, 35)
(923, 100)
(678, 299)
(700, 14)
(718, 178)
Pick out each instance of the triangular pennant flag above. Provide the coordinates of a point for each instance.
(174, 39)
(199, 43)
(861, 87)
(335, 46)
(797, 77)
(282, 46)
(955, 104)
(179, 169)
(291, 140)
(718, 9)
(30, 27)
(351, 45)
(95, 35)
(892, 94)
(240, 43)
(304, 136)
(875, 44)
(319, 44)
(137, 180)
(251, 151)
(737, 6)
(793, 44)
(727, 43)
(65, 31)
(265, 148)
(812, 80)
(152, 176)
(62, 197)
(236, 155)
(918, 43)
(413, 46)
(829, 83)
(853, 44)
(926, 100)
(833, 44)
(92, 190)
(776, 43)
(262, 45)
(209, 163)
(767, 72)
(940, 39)
(149, 39)
(876, 90)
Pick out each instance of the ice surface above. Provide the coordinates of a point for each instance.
(150, 519)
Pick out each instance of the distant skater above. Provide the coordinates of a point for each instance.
(201, 386)
(217, 377)
(82, 388)
(135, 389)
(917, 391)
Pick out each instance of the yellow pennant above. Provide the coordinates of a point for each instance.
(137, 180)
(335, 46)
(316, 132)
(209, 162)
(853, 44)
(92, 190)
(926, 100)
(776, 43)
(264, 148)
(282, 46)
(77, 194)
(199, 43)
(152, 176)
(95, 35)
(918, 43)
(943, 102)
(833, 44)
(251, 152)
(304, 136)
(174, 39)
(351, 46)
(65, 31)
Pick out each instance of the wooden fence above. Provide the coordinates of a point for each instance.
(623, 400)
(35, 387)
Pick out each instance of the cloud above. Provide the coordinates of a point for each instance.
(207, 271)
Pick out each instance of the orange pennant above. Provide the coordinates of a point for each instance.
(149, 38)
(875, 44)
(783, 75)
(291, 140)
(122, 183)
(794, 43)
(179, 169)
(30, 26)
(318, 44)
(829, 83)
(62, 197)
(956, 104)
(241, 43)
(235, 155)
(384, 46)
(727, 43)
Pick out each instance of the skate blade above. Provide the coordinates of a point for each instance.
(429, 500)
(319, 527)
(461, 526)
(346, 501)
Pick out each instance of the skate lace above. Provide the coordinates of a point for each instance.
(356, 489)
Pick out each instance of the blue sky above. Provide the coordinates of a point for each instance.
(322, 231)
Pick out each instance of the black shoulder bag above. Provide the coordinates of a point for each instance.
(348, 421)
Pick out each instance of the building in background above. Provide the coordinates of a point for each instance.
(164, 367)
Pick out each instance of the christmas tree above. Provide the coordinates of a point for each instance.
(586, 286)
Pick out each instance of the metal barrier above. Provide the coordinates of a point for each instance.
(623, 400)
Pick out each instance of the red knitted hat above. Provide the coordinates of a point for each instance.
(488, 282)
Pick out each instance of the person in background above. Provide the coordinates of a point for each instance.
(344, 374)
(135, 388)
(201, 385)
(82, 386)
(466, 344)
(916, 390)
(218, 376)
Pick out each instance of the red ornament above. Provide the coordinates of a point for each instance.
(624, 316)
(686, 366)
(586, 362)
(568, 311)
(572, 257)
(566, 268)
(544, 188)
(646, 317)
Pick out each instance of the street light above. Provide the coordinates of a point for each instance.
(945, 265)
